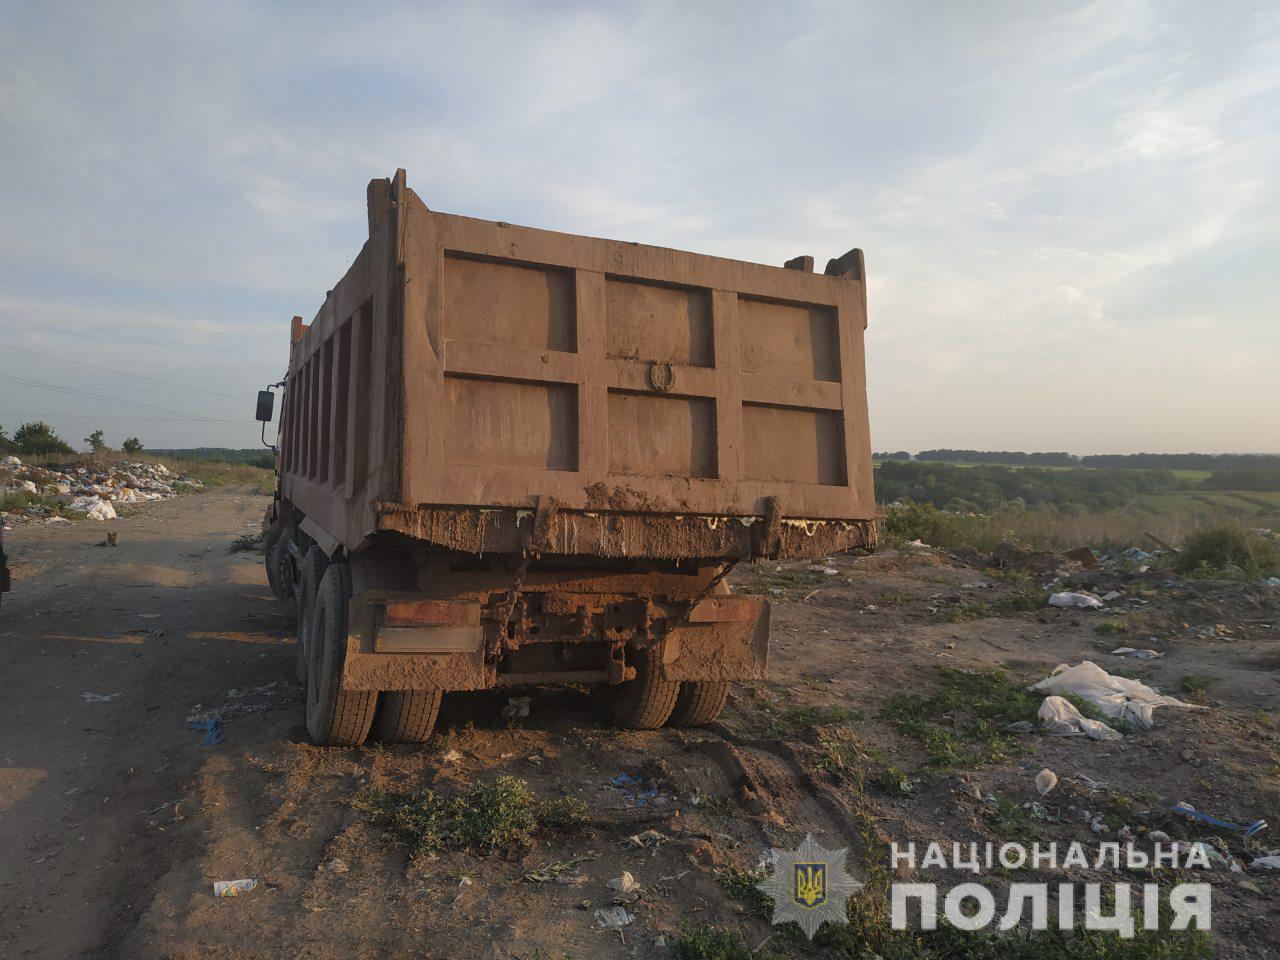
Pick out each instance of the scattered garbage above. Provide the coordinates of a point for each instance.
(93, 489)
(212, 727)
(232, 888)
(1135, 653)
(1021, 726)
(1046, 780)
(1184, 809)
(1271, 862)
(649, 838)
(1117, 697)
(337, 865)
(1060, 718)
(638, 797)
(1075, 601)
(88, 697)
(517, 708)
(614, 918)
(623, 884)
(452, 755)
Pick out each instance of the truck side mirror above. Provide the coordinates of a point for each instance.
(266, 405)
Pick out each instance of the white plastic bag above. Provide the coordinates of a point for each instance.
(1117, 697)
(1075, 601)
(1062, 719)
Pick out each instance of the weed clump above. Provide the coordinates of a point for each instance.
(1228, 551)
(493, 815)
(965, 722)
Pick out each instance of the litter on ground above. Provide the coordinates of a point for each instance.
(232, 888)
(1117, 697)
(1075, 601)
(1060, 718)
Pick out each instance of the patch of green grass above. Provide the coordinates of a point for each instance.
(963, 723)
(491, 815)
(48, 505)
(741, 886)
(773, 579)
(1025, 597)
(1195, 686)
(894, 782)
(834, 755)
(799, 719)
(894, 599)
(704, 942)
(1112, 627)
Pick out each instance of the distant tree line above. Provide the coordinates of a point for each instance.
(983, 488)
(37, 438)
(1120, 461)
(1260, 480)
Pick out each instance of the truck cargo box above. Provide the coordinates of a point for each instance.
(489, 387)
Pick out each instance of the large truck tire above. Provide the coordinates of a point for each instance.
(646, 702)
(313, 568)
(406, 716)
(335, 717)
(699, 703)
(279, 573)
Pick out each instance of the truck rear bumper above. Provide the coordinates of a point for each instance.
(723, 638)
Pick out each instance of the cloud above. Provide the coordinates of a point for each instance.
(1041, 191)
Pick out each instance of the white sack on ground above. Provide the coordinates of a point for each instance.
(1117, 697)
(1075, 601)
(1062, 719)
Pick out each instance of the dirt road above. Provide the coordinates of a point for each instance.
(116, 819)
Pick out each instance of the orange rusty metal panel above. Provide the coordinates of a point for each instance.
(481, 365)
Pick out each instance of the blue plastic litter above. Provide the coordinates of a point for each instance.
(212, 727)
(1135, 555)
(640, 798)
(1254, 828)
(644, 796)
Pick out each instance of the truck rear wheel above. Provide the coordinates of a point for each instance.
(699, 702)
(279, 574)
(335, 717)
(646, 702)
(313, 567)
(406, 716)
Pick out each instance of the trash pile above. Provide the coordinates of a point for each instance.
(91, 489)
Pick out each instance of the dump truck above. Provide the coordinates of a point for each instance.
(512, 457)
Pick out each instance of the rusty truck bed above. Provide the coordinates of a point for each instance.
(489, 387)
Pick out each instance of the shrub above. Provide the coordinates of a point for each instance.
(1211, 550)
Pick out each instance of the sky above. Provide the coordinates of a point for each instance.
(1070, 212)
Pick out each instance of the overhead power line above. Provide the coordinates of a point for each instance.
(123, 373)
(71, 391)
(46, 328)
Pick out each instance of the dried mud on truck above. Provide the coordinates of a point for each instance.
(510, 456)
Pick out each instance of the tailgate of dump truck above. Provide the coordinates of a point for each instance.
(621, 377)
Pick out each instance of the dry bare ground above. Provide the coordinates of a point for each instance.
(115, 820)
